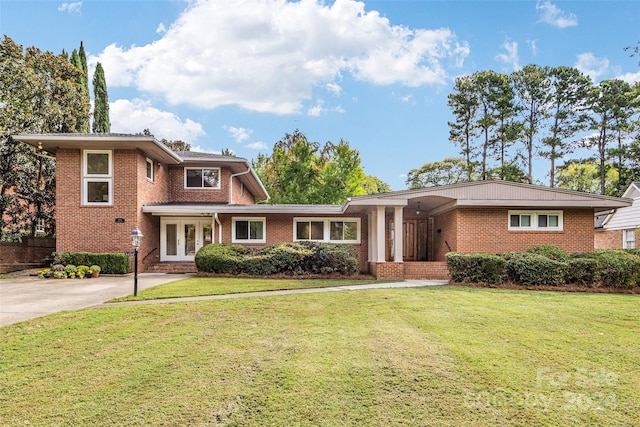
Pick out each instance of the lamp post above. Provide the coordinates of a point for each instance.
(136, 239)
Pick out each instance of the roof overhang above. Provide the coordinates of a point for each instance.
(259, 209)
(150, 146)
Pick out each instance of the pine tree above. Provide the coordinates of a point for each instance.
(101, 123)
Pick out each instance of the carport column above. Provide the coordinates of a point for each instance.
(398, 244)
(380, 237)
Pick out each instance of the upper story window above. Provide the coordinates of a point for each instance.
(150, 169)
(97, 177)
(535, 220)
(202, 178)
(333, 230)
(248, 230)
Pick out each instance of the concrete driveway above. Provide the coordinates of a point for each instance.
(27, 297)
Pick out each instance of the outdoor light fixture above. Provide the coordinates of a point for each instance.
(136, 239)
(418, 210)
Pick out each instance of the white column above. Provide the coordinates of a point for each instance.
(397, 219)
(380, 235)
(371, 236)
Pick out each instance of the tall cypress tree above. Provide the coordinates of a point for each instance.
(101, 123)
(79, 60)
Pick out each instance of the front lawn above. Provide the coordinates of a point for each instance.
(441, 356)
(200, 286)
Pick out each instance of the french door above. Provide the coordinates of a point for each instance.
(180, 238)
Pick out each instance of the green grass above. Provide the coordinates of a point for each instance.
(200, 286)
(441, 356)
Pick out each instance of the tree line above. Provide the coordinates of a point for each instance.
(503, 123)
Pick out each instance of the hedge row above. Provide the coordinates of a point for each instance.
(295, 258)
(110, 263)
(549, 265)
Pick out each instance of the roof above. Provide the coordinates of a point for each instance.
(209, 209)
(52, 142)
(626, 217)
(490, 194)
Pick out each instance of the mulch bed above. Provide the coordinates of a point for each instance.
(561, 288)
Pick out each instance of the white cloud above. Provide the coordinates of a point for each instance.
(270, 55)
(334, 88)
(631, 78)
(74, 7)
(510, 57)
(258, 145)
(592, 66)
(161, 29)
(239, 134)
(553, 15)
(533, 46)
(316, 111)
(137, 115)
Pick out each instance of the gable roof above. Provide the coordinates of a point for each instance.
(490, 194)
(626, 217)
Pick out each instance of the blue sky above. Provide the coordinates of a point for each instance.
(241, 74)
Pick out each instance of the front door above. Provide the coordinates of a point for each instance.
(409, 241)
(180, 238)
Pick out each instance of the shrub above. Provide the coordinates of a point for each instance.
(285, 258)
(618, 269)
(549, 251)
(475, 268)
(534, 269)
(582, 271)
(111, 263)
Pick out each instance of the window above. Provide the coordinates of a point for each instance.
(202, 178)
(327, 229)
(150, 169)
(248, 230)
(97, 177)
(629, 239)
(40, 226)
(534, 220)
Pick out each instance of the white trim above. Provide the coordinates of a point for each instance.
(534, 216)
(202, 187)
(326, 229)
(629, 238)
(88, 178)
(180, 250)
(234, 220)
(147, 169)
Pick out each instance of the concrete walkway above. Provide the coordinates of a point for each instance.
(27, 297)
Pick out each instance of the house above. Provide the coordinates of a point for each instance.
(107, 184)
(620, 228)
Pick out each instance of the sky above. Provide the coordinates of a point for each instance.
(240, 74)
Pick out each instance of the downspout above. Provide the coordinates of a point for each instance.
(231, 183)
(215, 216)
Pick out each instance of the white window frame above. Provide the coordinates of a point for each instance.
(202, 187)
(534, 220)
(40, 226)
(326, 234)
(629, 238)
(234, 220)
(88, 178)
(149, 169)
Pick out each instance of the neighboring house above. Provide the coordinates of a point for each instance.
(107, 184)
(620, 228)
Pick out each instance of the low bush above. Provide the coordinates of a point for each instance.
(294, 258)
(582, 271)
(618, 269)
(475, 268)
(534, 269)
(110, 263)
(549, 251)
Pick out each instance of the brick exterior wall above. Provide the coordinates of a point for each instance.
(486, 230)
(609, 239)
